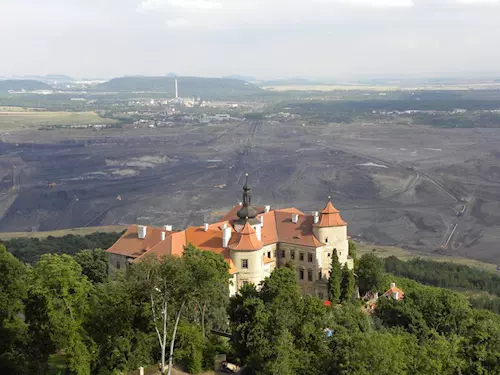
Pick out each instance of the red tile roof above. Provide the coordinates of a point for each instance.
(330, 217)
(300, 233)
(246, 240)
(392, 291)
(132, 246)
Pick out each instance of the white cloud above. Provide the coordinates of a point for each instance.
(155, 5)
(372, 3)
(178, 23)
(478, 2)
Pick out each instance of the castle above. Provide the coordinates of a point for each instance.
(253, 240)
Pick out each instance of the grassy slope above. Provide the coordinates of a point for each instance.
(386, 251)
(19, 120)
(62, 232)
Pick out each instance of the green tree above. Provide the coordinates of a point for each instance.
(120, 327)
(353, 253)
(348, 284)
(335, 279)
(13, 339)
(277, 330)
(56, 306)
(381, 353)
(370, 273)
(94, 264)
(211, 295)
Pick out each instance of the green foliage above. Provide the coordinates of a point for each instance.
(13, 330)
(275, 327)
(56, 306)
(444, 274)
(370, 273)
(29, 250)
(94, 264)
(353, 253)
(335, 279)
(348, 284)
(191, 345)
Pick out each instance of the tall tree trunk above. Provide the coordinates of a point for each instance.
(172, 343)
(164, 344)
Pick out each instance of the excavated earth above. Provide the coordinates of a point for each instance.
(426, 189)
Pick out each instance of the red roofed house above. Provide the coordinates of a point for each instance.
(394, 292)
(253, 240)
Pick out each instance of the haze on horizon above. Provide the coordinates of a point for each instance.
(262, 38)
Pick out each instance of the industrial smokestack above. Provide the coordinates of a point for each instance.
(176, 89)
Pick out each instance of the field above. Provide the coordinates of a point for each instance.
(62, 232)
(380, 88)
(11, 121)
(387, 251)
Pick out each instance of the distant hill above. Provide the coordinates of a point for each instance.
(241, 78)
(188, 86)
(23, 84)
(49, 78)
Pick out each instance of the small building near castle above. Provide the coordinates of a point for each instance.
(253, 240)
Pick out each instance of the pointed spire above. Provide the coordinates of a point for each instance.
(247, 211)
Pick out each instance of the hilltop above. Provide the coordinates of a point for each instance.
(188, 86)
(23, 84)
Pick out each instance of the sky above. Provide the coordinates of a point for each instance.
(261, 38)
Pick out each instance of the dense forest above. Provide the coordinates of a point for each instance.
(29, 250)
(65, 309)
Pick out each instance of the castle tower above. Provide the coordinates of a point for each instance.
(331, 230)
(247, 255)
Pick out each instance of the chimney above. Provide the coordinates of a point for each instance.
(261, 218)
(267, 209)
(141, 231)
(226, 236)
(393, 285)
(396, 295)
(295, 218)
(240, 203)
(168, 228)
(258, 232)
(316, 217)
(224, 226)
(205, 226)
(163, 235)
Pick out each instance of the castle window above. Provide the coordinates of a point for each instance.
(310, 275)
(283, 253)
(269, 254)
(244, 283)
(118, 264)
(301, 256)
(329, 254)
(244, 263)
(309, 257)
(301, 274)
(320, 275)
(326, 240)
(320, 295)
(292, 254)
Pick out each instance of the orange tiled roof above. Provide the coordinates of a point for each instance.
(300, 233)
(393, 290)
(132, 246)
(210, 240)
(269, 233)
(330, 217)
(247, 240)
